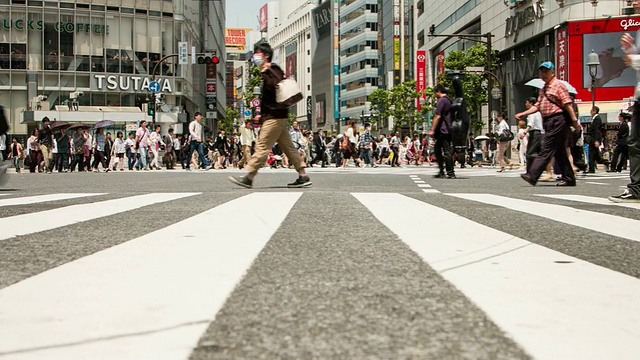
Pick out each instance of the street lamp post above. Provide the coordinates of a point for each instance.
(593, 61)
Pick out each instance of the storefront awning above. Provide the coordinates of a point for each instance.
(609, 107)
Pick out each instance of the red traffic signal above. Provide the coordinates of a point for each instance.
(208, 59)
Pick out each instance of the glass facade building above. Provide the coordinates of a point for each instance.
(105, 49)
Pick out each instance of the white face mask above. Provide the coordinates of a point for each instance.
(258, 60)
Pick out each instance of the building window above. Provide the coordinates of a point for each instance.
(421, 38)
(420, 7)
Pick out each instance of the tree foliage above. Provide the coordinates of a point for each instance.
(475, 85)
(226, 124)
(255, 79)
(400, 103)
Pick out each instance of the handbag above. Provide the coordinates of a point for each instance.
(288, 92)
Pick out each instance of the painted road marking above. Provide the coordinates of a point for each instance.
(590, 200)
(595, 183)
(554, 305)
(424, 185)
(51, 219)
(149, 298)
(615, 225)
(431, 191)
(42, 198)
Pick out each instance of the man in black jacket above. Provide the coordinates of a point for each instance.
(621, 151)
(320, 148)
(63, 146)
(45, 139)
(594, 139)
(274, 118)
(222, 146)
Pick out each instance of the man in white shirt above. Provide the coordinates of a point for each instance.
(247, 137)
(534, 131)
(195, 133)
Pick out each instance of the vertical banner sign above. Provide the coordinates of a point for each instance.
(210, 84)
(421, 81)
(440, 64)
(562, 51)
(396, 34)
(336, 60)
(309, 111)
(193, 54)
(183, 53)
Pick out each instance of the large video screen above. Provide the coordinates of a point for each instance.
(612, 71)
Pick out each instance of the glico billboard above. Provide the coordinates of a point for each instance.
(603, 37)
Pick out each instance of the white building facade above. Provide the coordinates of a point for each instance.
(290, 37)
(359, 55)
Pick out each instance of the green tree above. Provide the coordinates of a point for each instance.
(226, 124)
(380, 103)
(475, 87)
(291, 119)
(255, 79)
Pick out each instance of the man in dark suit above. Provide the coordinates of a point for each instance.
(594, 139)
(621, 151)
(320, 148)
(223, 148)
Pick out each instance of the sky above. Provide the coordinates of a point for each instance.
(243, 13)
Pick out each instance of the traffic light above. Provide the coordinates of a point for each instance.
(151, 108)
(208, 58)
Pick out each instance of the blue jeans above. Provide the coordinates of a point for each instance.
(131, 157)
(142, 161)
(196, 145)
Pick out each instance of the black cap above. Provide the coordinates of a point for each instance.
(45, 119)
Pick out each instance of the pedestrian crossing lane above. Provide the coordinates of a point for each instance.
(148, 298)
(553, 310)
(155, 295)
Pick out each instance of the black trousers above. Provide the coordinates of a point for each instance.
(634, 150)
(396, 156)
(444, 157)
(554, 144)
(619, 158)
(594, 157)
(320, 156)
(533, 146)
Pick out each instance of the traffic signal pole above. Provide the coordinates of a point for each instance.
(153, 78)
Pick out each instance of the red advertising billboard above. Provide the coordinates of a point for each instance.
(614, 80)
(263, 17)
(421, 74)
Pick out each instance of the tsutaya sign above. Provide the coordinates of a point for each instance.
(524, 17)
(128, 83)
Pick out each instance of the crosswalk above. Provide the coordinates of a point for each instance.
(158, 294)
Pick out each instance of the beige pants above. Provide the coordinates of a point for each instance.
(246, 155)
(502, 148)
(46, 156)
(272, 131)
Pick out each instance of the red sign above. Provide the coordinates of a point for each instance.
(263, 17)
(211, 88)
(614, 80)
(421, 74)
(562, 53)
(440, 62)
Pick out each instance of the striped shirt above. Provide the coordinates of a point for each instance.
(555, 91)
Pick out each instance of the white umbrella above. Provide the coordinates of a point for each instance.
(538, 83)
(481, 137)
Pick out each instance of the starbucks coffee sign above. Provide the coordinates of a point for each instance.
(60, 26)
(128, 83)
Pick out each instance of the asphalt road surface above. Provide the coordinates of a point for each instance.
(366, 264)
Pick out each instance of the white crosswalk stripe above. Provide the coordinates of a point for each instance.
(616, 225)
(510, 279)
(50, 219)
(155, 295)
(151, 286)
(589, 200)
(42, 198)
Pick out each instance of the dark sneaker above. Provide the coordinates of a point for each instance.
(302, 181)
(451, 176)
(625, 197)
(242, 181)
(439, 176)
